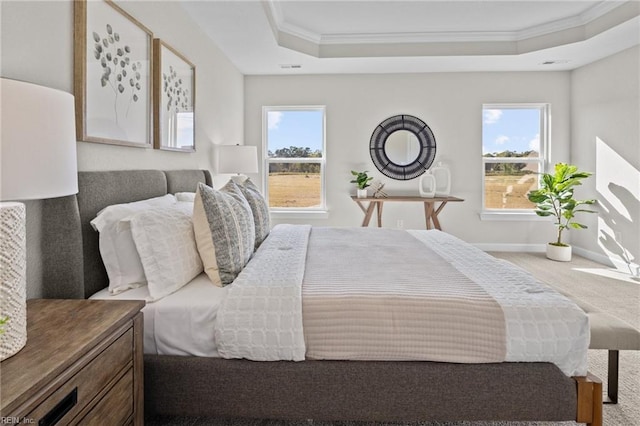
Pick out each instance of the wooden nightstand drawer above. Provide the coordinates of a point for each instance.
(82, 364)
(116, 406)
(78, 392)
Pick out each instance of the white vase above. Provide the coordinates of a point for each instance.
(442, 175)
(427, 185)
(362, 193)
(559, 253)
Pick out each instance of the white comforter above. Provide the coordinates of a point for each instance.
(262, 315)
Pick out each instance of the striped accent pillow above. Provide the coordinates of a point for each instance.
(259, 208)
(224, 231)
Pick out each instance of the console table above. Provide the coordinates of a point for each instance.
(432, 207)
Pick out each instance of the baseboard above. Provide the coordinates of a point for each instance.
(530, 248)
(616, 263)
(596, 257)
(541, 248)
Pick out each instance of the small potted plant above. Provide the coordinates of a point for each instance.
(555, 198)
(362, 181)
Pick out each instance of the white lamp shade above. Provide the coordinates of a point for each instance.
(237, 159)
(38, 144)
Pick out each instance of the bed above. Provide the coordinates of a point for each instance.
(371, 390)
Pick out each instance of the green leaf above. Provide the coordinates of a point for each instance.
(575, 225)
(555, 197)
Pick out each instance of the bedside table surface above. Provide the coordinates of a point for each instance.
(59, 331)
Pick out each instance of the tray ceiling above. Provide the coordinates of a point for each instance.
(381, 36)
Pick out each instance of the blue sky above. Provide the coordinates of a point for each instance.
(513, 129)
(295, 128)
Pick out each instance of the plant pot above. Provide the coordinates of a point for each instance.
(559, 253)
(362, 193)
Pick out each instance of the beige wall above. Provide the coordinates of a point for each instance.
(451, 104)
(37, 46)
(605, 139)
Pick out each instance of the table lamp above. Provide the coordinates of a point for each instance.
(37, 161)
(239, 159)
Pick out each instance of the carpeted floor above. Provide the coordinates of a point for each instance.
(608, 290)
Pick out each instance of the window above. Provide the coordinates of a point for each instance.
(295, 158)
(514, 142)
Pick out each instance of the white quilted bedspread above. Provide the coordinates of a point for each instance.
(261, 318)
(542, 325)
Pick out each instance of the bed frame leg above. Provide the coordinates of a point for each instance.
(589, 400)
(612, 380)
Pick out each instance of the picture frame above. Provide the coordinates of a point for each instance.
(174, 88)
(113, 72)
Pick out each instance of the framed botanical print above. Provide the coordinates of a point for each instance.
(174, 87)
(112, 75)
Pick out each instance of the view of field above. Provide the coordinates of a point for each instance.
(508, 191)
(289, 190)
(294, 189)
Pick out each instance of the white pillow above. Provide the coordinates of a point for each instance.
(167, 248)
(118, 251)
(186, 196)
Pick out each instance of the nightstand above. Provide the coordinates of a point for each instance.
(82, 365)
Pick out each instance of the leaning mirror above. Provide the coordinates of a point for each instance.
(402, 147)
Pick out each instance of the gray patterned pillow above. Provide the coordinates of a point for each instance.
(224, 231)
(259, 208)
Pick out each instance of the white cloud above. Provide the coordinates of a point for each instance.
(534, 144)
(492, 115)
(273, 119)
(501, 140)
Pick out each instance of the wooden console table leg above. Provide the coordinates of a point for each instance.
(368, 214)
(364, 210)
(380, 205)
(434, 215)
(428, 214)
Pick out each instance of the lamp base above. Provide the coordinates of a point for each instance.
(239, 179)
(13, 279)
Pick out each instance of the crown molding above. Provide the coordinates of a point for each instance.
(274, 9)
(276, 17)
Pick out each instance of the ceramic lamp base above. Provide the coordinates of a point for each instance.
(239, 179)
(13, 280)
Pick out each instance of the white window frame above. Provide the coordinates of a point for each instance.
(542, 160)
(295, 212)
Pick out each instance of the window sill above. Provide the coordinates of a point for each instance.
(301, 214)
(512, 216)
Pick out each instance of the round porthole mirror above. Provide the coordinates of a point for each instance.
(402, 147)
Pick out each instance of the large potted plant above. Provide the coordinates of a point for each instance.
(555, 198)
(362, 182)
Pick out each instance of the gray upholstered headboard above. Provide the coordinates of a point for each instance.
(97, 190)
